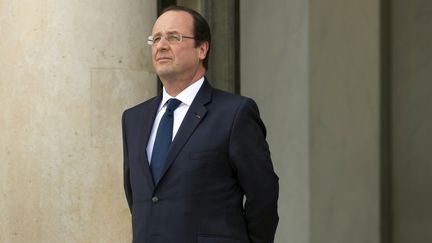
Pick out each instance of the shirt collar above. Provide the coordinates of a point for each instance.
(186, 96)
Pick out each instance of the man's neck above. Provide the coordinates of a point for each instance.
(175, 87)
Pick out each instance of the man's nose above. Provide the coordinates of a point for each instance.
(162, 44)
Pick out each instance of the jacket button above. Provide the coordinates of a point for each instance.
(155, 199)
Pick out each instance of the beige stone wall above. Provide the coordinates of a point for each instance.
(313, 68)
(344, 90)
(274, 72)
(67, 70)
(411, 72)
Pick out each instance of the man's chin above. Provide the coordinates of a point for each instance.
(165, 73)
(163, 70)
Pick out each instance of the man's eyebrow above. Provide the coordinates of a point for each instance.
(172, 32)
(168, 32)
(155, 34)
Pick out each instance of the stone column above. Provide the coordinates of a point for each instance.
(411, 63)
(313, 68)
(344, 125)
(274, 72)
(67, 70)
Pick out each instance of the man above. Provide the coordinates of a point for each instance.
(193, 153)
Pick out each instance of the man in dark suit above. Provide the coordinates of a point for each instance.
(197, 167)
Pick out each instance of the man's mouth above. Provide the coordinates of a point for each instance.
(163, 59)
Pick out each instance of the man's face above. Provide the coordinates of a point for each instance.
(181, 60)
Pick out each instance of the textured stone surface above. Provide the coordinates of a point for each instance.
(313, 68)
(67, 70)
(412, 120)
(274, 42)
(345, 121)
(111, 89)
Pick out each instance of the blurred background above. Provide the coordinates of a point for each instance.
(344, 88)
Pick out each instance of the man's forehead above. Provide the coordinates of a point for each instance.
(173, 21)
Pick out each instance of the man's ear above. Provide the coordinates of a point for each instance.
(203, 49)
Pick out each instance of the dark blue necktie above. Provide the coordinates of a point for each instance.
(163, 139)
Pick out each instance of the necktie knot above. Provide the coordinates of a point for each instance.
(172, 104)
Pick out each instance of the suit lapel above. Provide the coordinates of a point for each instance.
(147, 125)
(193, 117)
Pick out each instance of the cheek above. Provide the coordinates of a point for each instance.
(184, 57)
(153, 52)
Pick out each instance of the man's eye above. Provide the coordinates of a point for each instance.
(156, 39)
(173, 37)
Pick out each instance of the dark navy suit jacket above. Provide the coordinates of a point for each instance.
(218, 157)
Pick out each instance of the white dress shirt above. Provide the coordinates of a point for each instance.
(186, 97)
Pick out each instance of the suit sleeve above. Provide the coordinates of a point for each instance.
(126, 171)
(250, 155)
